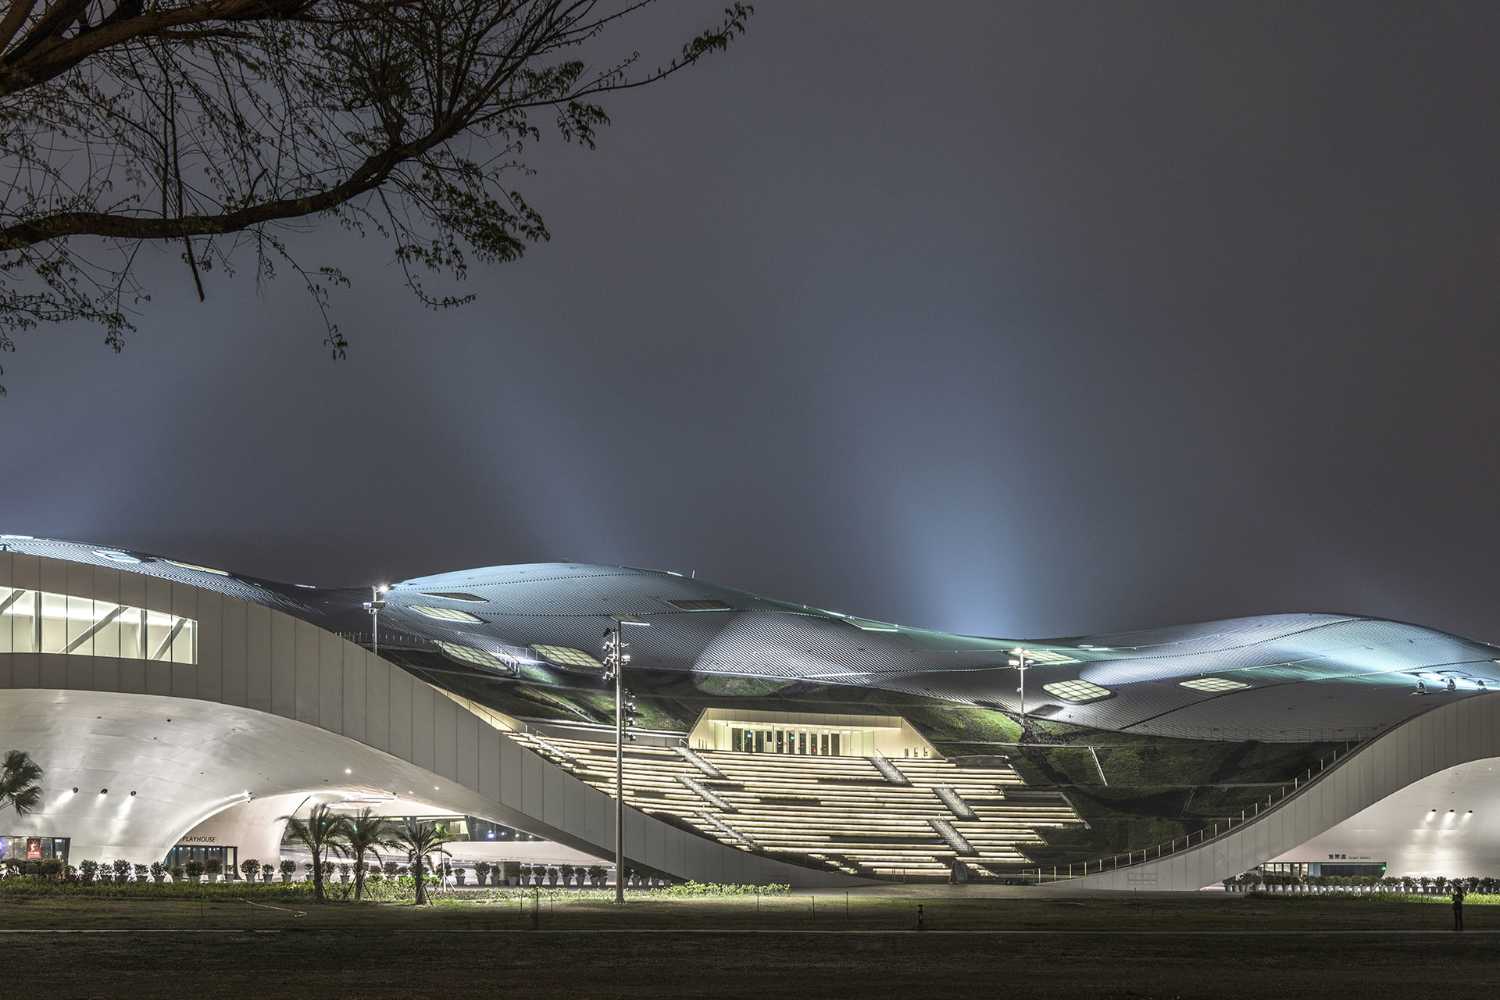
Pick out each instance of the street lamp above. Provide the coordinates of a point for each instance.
(615, 659)
(1018, 660)
(373, 606)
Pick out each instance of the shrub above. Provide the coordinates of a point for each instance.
(89, 870)
(179, 874)
(121, 869)
(597, 875)
(390, 869)
(250, 869)
(266, 871)
(194, 870)
(158, 872)
(482, 872)
(212, 868)
(141, 872)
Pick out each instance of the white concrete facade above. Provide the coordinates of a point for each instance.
(275, 706)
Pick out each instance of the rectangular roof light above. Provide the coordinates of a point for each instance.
(445, 614)
(454, 595)
(1214, 685)
(1078, 692)
(567, 656)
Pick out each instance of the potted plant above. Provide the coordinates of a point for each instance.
(344, 872)
(158, 872)
(391, 869)
(458, 875)
(250, 869)
(597, 876)
(178, 873)
(140, 873)
(88, 869)
(266, 871)
(212, 867)
(194, 871)
(481, 872)
(512, 871)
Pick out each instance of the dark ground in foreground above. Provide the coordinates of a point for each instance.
(1135, 947)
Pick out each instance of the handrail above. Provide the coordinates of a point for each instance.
(1299, 785)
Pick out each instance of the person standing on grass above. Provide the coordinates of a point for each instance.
(1458, 908)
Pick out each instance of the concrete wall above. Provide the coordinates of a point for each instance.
(1452, 732)
(256, 658)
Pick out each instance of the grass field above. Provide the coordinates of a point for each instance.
(973, 944)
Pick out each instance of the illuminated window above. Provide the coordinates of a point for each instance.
(446, 614)
(33, 621)
(1214, 684)
(454, 595)
(567, 656)
(1076, 692)
(478, 657)
(700, 604)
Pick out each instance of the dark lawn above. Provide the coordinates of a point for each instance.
(473, 950)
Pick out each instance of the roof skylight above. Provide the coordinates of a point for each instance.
(1078, 692)
(454, 595)
(476, 657)
(114, 556)
(700, 604)
(1214, 685)
(445, 614)
(870, 625)
(195, 566)
(567, 656)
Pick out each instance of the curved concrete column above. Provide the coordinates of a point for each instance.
(1451, 733)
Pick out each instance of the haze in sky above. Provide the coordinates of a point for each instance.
(1029, 319)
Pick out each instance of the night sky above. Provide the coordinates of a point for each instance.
(1032, 319)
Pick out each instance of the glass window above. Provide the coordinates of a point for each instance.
(33, 621)
(54, 623)
(760, 741)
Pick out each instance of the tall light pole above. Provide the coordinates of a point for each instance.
(373, 606)
(615, 659)
(1018, 660)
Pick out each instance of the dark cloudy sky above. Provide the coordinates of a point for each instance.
(1015, 318)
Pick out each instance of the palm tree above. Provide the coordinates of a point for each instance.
(20, 778)
(364, 834)
(421, 839)
(324, 832)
